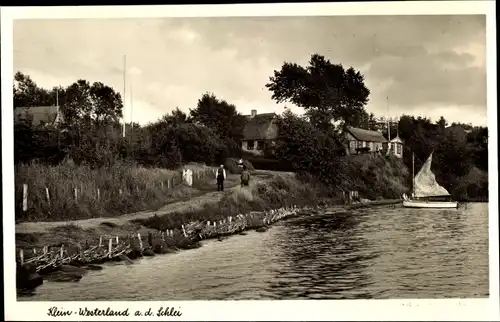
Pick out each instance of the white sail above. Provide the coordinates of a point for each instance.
(425, 183)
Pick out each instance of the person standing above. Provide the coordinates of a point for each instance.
(245, 177)
(220, 176)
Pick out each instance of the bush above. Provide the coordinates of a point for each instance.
(232, 165)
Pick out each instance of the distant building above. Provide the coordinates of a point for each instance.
(38, 115)
(396, 147)
(259, 130)
(458, 132)
(357, 141)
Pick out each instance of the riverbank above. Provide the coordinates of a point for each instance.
(57, 246)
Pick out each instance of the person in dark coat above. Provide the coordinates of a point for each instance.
(245, 177)
(220, 175)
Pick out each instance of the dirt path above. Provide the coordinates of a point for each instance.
(180, 206)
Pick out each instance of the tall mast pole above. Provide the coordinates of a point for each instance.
(388, 124)
(413, 173)
(124, 89)
(131, 107)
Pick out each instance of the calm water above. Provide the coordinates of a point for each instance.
(371, 253)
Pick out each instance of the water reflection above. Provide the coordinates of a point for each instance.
(377, 253)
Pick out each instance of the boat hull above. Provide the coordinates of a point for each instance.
(430, 204)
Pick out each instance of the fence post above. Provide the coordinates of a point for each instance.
(76, 195)
(25, 197)
(140, 240)
(117, 240)
(184, 231)
(100, 241)
(110, 247)
(21, 256)
(98, 194)
(47, 195)
(61, 252)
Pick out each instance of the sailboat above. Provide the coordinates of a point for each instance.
(427, 193)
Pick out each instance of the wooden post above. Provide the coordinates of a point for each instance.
(98, 194)
(230, 219)
(21, 256)
(162, 185)
(80, 250)
(110, 247)
(100, 241)
(184, 231)
(76, 195)
(117, 241)
(208, 223)
(214, 224)
(45, 250)
(61, 252)
(47, 195)
(25, 197)
(34, 251)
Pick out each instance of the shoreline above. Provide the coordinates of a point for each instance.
(69, 264)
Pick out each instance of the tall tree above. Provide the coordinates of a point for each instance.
(27, 93)
(325, 90)
(219, 116)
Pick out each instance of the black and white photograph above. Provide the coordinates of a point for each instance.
(250, 154)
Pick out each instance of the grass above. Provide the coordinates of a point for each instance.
(280, 191)
(100, 192)
(375, 177)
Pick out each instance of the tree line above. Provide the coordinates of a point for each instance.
(332, 96)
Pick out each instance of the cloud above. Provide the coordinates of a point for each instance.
(419, 62)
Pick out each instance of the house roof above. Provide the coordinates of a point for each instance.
(366, 135)
(397, 139)
(261, 127)
(37, 114)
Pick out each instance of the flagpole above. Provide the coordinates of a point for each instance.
(124, 89)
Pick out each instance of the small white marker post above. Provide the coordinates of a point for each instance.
(162, 184)
(98, 194)
(110, 247)
(184, 231)
(100, 241)
(47, 195)
(61, 252)
(76, 195)
(21, 256)
(140, 240)
(215, 224)
(230, 219)
(45, 250)
(34, 251)
(25, 197)
(117, 240)
(208, 223)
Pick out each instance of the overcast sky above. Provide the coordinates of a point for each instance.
(426, 65)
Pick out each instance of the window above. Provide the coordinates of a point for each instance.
(260, 145)
(353, 145)
(250, 145)
(399, 148)
(360, 144)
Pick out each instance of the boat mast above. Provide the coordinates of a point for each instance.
(413, 173)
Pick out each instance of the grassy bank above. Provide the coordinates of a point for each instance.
(68, 192)
(375, 177)
(283, 190)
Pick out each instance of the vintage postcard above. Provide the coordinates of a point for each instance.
(311, 161)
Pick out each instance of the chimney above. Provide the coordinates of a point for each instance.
(253, 113)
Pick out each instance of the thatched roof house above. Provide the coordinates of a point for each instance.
(38, 115)
(260, 128)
